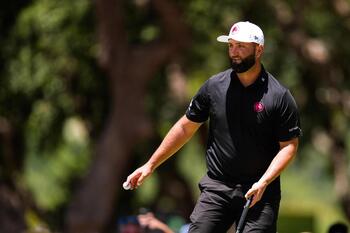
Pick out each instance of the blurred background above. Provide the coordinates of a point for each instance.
(89, 88)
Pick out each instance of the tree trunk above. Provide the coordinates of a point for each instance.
(128, 70)
(11, 210)
(12, 217)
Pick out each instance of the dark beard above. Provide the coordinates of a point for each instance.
(244, 65)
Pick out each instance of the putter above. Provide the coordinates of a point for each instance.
(244, 214)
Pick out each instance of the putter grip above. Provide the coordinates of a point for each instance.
(244, 214)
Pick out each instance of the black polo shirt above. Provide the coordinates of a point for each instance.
(246, 125)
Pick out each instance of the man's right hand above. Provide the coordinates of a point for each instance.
(136, 178)
(177, 136)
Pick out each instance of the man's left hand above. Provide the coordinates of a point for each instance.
(257, 190)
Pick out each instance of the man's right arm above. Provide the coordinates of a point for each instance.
(177, 136)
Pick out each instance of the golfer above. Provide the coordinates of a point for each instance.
(253, 135)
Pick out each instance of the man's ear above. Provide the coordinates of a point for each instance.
(259, 51)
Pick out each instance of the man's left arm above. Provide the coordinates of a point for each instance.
(285, 155)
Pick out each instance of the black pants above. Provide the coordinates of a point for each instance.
(220, 205)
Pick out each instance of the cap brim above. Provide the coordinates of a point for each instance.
(222, 38)
(225, 39)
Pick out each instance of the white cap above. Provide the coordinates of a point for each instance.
(244, 32)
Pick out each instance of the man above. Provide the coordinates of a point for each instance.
(253, 135)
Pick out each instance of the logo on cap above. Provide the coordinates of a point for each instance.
(234, 29)
(259, 107)
(244, 32)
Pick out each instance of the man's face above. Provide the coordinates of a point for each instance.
(242, 55)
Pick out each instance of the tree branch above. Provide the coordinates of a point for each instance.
(175, 38)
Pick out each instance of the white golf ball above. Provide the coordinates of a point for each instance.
(126, 185)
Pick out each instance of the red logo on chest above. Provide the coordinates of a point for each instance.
(259, 107)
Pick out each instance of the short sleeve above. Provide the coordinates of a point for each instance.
(198, 110)
(288, 119)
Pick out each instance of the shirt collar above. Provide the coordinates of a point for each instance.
(260, 81)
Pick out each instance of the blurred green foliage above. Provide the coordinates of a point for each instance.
(48, 173)
(52, 83)
(55, 96)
